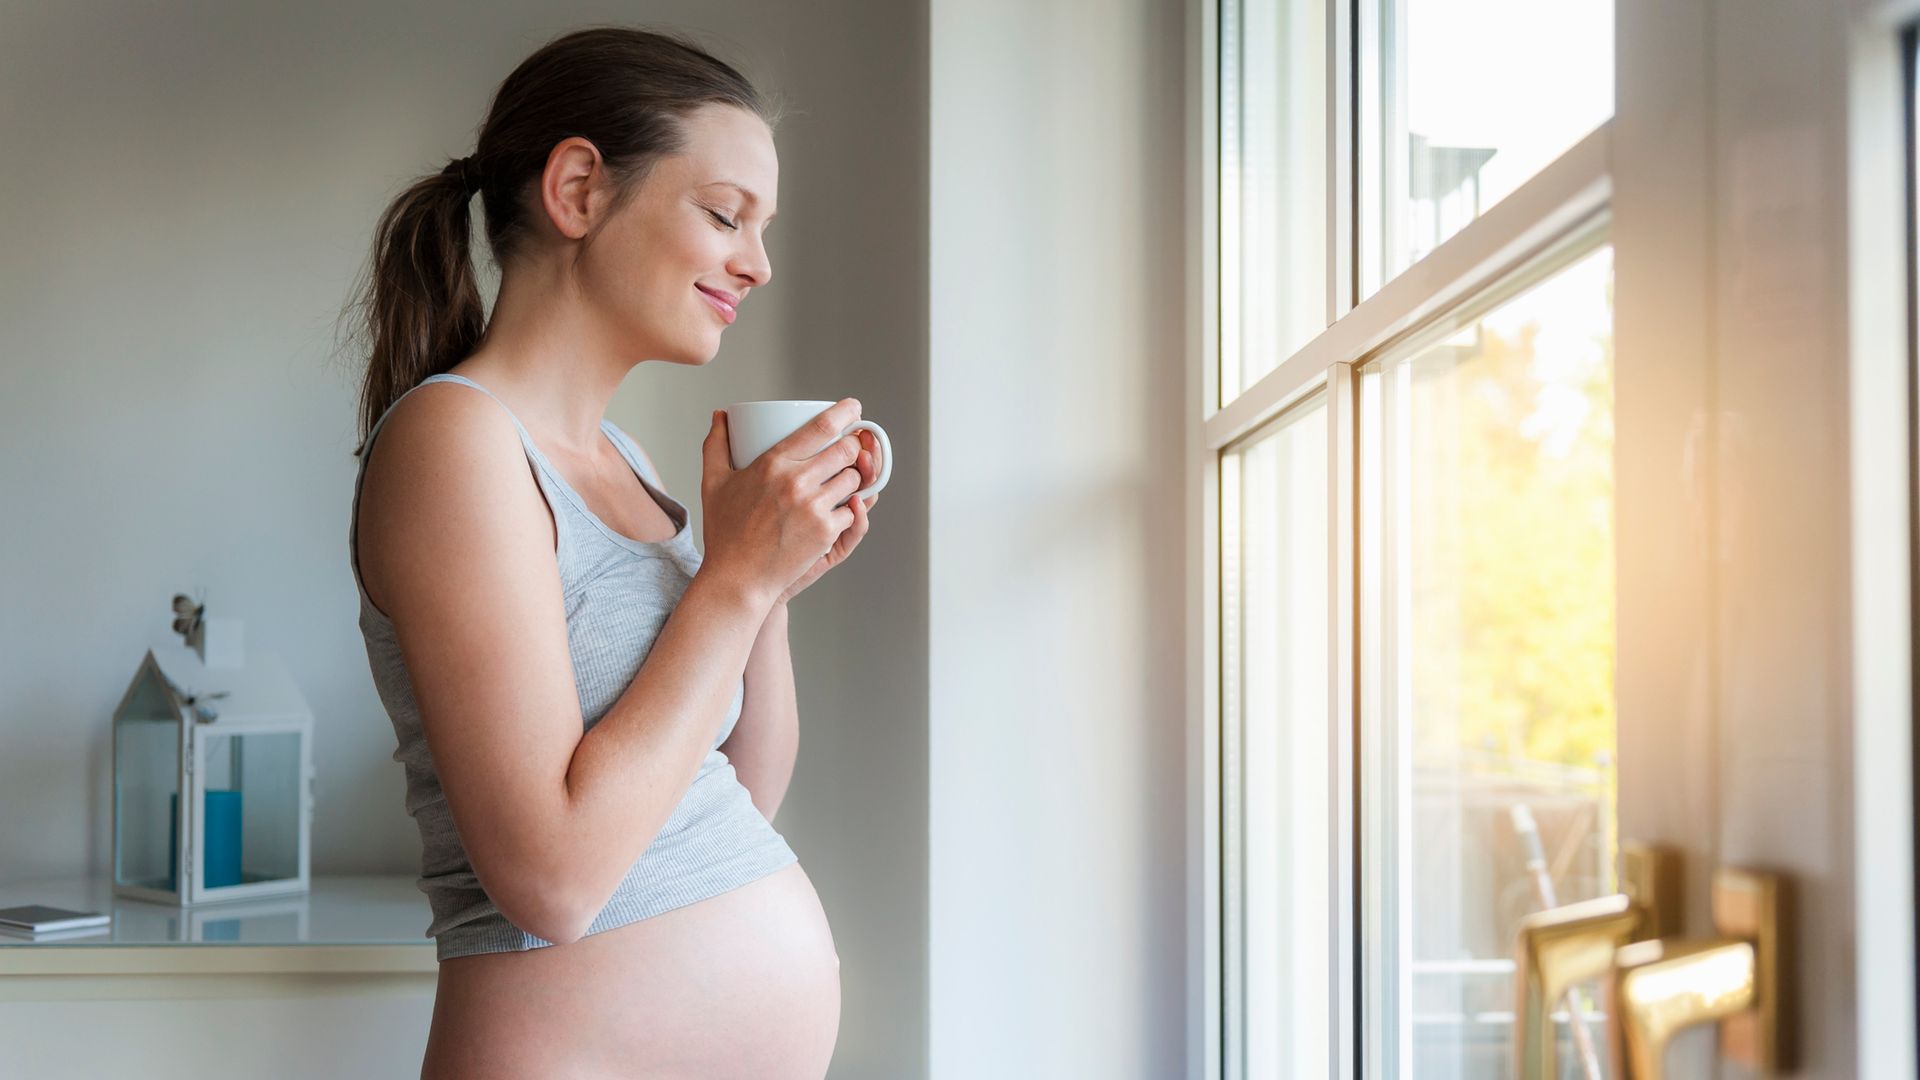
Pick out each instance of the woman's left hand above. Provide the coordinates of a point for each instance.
(849, 539)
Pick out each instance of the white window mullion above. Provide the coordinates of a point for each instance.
(1203, 685)
(1343, 699)
(1386, 745)
(1232, 780)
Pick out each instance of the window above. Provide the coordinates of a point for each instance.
(1488, 729)
(1462, 102)
(1413, 549)
(1274, 163)
(1274, 505)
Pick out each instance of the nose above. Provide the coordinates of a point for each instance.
(749, 263)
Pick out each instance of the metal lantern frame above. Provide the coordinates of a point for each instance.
(263, 701)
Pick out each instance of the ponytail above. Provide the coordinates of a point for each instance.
(423, 308)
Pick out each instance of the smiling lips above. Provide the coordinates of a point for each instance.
(722, 302)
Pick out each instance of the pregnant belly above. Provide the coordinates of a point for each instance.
(743, 984)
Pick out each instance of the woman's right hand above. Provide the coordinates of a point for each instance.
(767, 524)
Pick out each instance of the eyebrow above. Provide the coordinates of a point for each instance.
(750, 196)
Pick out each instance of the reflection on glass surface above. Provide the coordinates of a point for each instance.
(1273, 175)
(1474, 97)
(1274, 642)
(1488, 464)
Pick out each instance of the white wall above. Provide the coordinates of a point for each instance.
(989, 791)
(1056, 637)
(185, 197)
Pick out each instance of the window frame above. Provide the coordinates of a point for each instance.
(1523, 233)
(1884, 427)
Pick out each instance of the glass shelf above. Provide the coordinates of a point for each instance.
(336, 910)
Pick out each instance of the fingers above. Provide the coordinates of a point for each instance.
(799, 445)
(851, 538)
(850, 524)
(857, 528)
(838, 487)
(842, 520)
(840, 454)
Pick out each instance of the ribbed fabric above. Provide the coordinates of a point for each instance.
(618, 593)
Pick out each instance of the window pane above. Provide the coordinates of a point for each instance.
(1273, 176)
(1274, 641)
(1468, 99)
(1488, 716)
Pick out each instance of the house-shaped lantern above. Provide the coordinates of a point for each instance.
(212, 780)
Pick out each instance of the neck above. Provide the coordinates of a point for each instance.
(544, 352)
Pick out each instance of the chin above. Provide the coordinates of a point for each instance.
(691, 353)
(692, 357)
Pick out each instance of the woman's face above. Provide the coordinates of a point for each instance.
(673, 266)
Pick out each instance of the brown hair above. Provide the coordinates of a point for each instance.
(624, 89)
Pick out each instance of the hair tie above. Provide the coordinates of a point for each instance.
(467, 170)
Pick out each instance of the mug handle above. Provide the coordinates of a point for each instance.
(886, 457)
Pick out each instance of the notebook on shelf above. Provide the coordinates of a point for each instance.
(41, 919)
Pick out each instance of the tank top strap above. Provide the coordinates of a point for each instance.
(631, 451)
(526, 437)
(553, 486)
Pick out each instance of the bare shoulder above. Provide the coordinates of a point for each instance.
(446, 472)
(442, 416)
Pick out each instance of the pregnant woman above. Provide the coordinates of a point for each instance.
(596, 719)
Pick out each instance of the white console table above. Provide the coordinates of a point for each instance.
(335, 981)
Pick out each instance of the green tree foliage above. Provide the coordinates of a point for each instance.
(1513, 561)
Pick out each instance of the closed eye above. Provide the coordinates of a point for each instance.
(717, 217)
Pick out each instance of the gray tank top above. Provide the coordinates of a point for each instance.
(618, 593)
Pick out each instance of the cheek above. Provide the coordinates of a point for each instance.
(652, 287)
(675, 262)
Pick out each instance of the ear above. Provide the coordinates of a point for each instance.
(568, 187)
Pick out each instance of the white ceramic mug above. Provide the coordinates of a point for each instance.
(754, 426)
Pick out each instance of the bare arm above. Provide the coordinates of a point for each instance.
(456, 546)
(631, 771)
(766, 738)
